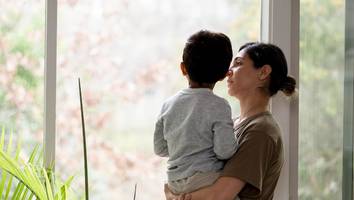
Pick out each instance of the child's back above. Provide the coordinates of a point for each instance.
(197, 126)
(194, 128)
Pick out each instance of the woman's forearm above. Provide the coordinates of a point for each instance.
(203, 194)
(225, 188)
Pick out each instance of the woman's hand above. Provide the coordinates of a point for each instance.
(170, 196)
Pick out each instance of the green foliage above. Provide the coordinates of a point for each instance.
(21, 45)
(32, 180)
(21, 65)
(26, 78)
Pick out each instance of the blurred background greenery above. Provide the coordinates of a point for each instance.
(321, 99)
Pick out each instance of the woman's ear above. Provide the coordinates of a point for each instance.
(183, 69)
(264, 72)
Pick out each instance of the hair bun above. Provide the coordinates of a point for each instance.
(288, 87)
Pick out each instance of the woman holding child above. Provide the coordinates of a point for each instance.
(257, 73)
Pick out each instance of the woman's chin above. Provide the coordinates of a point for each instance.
(232, 92)
(229, 91)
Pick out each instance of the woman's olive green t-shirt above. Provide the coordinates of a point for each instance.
(259, 159)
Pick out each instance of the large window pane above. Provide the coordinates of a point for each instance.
(21, 69)
(127, 54)
(321, 99)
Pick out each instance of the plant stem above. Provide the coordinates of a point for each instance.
(84, 144)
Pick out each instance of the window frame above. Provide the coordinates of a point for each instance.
(50, 66)
(348, 108)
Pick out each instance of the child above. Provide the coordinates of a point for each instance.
(194, 128)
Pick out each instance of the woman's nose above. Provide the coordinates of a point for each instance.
(229, 73)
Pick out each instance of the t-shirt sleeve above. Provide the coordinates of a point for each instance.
(251, 160)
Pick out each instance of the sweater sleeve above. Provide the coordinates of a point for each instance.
(160, 144)
(224, 138)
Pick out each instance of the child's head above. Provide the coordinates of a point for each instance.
(207, 56)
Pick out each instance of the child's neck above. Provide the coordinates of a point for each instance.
(193, 84)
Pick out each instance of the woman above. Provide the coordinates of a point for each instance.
(257, 73)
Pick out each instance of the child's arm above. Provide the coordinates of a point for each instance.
(225, 144)
(160, 144)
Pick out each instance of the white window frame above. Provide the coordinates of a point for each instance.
(50, 83)
(280, 26)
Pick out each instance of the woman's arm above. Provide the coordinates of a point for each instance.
(225, 188)
(170, 196)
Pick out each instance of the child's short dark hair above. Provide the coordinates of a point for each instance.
(207, 56)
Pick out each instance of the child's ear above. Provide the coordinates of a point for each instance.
(183, 69)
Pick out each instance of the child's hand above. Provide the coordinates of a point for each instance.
(170, 196)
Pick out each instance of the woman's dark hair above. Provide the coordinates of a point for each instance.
(207, 56)
(269, 54)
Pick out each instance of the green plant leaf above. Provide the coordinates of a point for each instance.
(48, 185)
(9, 183)
(2, 138)
(33, 180)
(4, 174)
(26, 176)
(84, 143)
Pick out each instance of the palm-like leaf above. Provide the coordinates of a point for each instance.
(33, 180)
(26, 175)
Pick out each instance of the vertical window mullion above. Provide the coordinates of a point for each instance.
(348, 108)
(50, 82)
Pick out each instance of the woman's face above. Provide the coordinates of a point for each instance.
(242, 76)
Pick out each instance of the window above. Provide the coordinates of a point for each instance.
(321, 99)
(127, 54)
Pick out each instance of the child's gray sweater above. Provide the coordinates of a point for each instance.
(195, 130)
